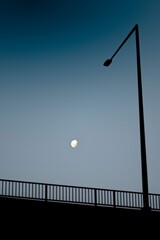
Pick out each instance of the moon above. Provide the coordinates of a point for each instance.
(74, 143)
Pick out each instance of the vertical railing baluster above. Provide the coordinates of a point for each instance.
(32, 188)
(53, 193)
(22, 189)
(95, 197)
(46, 192)
(75, 191)
(56, 192)
(101, 197)
(158, 207)
(5, 187)
(16, 189)
(105, 197)
(2, 187)
(73, 194)
(78, 194)
(114, 199)
(63, 193)
(38, 191)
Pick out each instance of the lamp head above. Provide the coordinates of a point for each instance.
(107, 62)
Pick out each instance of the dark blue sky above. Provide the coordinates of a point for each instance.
(54, 88)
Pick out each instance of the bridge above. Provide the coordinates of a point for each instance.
(40, 202)
(76, 195)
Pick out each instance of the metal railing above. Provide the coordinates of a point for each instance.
(76, 194)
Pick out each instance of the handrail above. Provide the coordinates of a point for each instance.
(76, 194)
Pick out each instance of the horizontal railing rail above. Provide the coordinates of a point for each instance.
(76, 194)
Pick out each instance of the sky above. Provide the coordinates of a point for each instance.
(54, 88)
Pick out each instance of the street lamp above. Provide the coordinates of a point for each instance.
(141, 114)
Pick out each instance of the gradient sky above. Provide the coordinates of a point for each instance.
(54, 88)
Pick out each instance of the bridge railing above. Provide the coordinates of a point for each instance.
(76, 194)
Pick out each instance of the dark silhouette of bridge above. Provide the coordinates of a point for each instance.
(93, 209)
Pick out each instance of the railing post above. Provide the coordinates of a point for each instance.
(46, 192)
(95, 197)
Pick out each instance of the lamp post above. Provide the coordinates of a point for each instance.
(141, 114)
